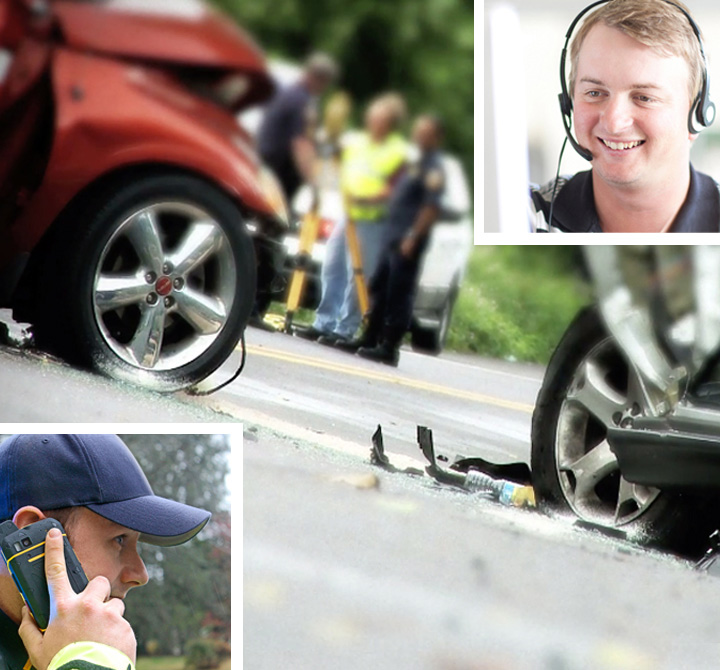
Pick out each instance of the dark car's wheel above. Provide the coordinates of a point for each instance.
(432, 340)
(156, 285)
(586, 383)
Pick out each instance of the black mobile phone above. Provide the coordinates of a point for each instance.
(24, 553)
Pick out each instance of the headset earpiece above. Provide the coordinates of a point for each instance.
(703, 111)
(566, 105)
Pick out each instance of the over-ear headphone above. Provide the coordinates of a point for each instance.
(702, 110)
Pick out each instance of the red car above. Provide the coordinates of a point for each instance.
(135, 217)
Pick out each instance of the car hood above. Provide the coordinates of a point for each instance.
(183, 33)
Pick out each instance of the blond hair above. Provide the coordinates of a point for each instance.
(395, 105)
(658, 24)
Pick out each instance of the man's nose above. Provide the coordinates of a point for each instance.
(134, 572)
(617, 115)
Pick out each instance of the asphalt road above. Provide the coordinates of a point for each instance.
(347, 566)
(302, 390)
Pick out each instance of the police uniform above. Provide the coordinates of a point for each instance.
(392, 289)
(77, 656)
(574, 210)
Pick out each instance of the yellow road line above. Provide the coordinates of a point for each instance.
(309, 361)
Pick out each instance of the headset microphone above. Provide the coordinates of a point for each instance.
(566, 109)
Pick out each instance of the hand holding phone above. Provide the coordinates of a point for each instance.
(89, 616)
(24, 552)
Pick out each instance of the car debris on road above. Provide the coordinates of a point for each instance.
(507, 483)
(510, 483)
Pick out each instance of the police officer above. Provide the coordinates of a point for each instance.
(414, 208)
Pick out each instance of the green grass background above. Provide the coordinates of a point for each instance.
(517, 301)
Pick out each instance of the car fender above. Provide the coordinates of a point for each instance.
(112, 115)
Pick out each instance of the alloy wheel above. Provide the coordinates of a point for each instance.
(603, 392)
(164, 286)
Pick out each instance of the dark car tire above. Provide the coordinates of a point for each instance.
(564, 430)
(135, 331)
(433, 340)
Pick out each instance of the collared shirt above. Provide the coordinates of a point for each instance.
(290, 114)
(574, 210)
(421, 183)
(12, 652)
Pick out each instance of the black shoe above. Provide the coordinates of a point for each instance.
(383, 353)
(351, 346)
(330, 339)
(308, 333)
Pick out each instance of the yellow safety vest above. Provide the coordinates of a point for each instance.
(90, 654)
(366, 168)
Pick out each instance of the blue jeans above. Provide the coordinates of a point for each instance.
(339, 310)
(333, 280)
(370, 237)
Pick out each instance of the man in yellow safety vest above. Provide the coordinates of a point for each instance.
(372, 160)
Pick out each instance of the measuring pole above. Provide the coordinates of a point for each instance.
(356, 258)
(308, 234)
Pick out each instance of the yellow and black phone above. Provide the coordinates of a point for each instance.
(23, 550)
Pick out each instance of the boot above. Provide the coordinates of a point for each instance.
(330, 339)
(351, 346)
(383, 353)
(308, 333)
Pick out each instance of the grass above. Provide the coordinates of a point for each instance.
(169, 663)
(517, 301)
(160, 663)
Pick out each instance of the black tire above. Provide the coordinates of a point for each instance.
(123, 233)
(564, 430)
(433, 340)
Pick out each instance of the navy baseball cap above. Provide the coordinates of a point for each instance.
(94, 471)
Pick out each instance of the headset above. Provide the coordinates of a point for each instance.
(702, 110)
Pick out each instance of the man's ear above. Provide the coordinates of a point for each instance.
(27, 515)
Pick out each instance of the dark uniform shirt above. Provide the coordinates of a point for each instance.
(12, 652)
(575, 212)
(421, 183)
(289, 114)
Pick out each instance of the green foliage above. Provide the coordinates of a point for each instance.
(421, 48)
(188, 584)
(203, 654)
(517, 301)
(160, 663)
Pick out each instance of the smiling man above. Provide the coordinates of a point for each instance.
(94, 486)
(637, 73)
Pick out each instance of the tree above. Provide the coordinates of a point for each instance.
(421, 48)
(189, 582)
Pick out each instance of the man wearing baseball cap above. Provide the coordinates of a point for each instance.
(94, 486)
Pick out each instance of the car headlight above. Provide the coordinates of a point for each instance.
(273, 193)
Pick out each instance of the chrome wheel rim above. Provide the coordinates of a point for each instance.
(445, 323)
(603, 391)
(164, 286)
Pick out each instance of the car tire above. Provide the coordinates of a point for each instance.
(574, 470)
(433, 340)
(154, 284)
